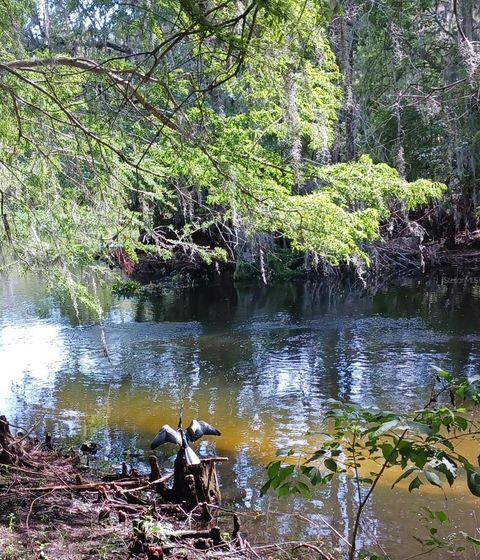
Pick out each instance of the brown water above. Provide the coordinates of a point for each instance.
(259, 363)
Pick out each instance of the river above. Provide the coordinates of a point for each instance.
(259, 363)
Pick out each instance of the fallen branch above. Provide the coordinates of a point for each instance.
(92, 486)
(323, 555)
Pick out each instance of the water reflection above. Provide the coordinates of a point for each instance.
(28, 354)
(259, 363)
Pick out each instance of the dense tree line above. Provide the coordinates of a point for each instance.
(412, 93)
(214, 129)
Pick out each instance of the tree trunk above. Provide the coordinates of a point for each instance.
(341, 36)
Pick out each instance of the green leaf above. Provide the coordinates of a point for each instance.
(264, 489)
(473, 482)
(306, 470)
(284, 490)
(283, 473)
(304, 489)
(388, 453)
(405, 474)
(443, 374)
(448, 468)
(473, 540)
(317, 455)
(416, 483)
(461, 422)
(273, 469)
(328, 477)
(331, 465)
(441, 516)
(447, 443)
(315, 476)
(386, 427)
(433, 478)
(420, 458)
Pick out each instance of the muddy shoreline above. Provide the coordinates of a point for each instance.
(53, 506)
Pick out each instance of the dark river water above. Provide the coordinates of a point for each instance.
(259, 363)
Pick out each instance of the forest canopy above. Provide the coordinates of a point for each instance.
(172, 126)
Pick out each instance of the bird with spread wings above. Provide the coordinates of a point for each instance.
(182, 438)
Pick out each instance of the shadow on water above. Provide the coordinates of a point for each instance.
(259, 363)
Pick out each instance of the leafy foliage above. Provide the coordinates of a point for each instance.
(419, 445)
(418, 63)
(175, 128)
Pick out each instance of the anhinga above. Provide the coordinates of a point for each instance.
(182, 438)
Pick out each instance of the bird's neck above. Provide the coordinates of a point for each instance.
(184, 438)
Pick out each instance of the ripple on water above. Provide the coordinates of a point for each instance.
(260, 369)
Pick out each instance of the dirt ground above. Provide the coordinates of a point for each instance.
(53, 508)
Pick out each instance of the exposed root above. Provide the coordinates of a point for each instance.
(50, 511)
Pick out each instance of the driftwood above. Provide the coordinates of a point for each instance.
(155, 477)
(200, 539)
(23, 450)
(214, 533)
(135, 484)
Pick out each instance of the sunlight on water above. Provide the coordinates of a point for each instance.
(257, 363)
(30, 354)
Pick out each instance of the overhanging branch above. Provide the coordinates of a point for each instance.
(116, 77)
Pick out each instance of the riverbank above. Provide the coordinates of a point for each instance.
(388, 258)
(54, 508)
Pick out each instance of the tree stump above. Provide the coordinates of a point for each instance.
(7, 451)
(195, 484)
(155, 474)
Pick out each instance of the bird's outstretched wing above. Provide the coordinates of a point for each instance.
(199, 428)
(166, 434)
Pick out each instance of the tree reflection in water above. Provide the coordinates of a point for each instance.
(260, 362)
